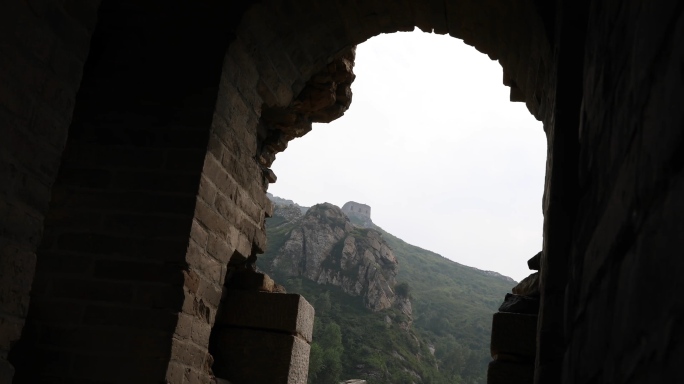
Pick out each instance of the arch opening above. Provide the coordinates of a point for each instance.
(342, 167)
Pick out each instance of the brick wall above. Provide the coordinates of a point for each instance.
(625, 320)
(112, 271)
(44, 45)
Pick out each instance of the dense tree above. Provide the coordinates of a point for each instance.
(327, 353)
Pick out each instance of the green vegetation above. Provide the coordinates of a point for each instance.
(448, 341)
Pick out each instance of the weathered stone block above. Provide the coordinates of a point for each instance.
(6, 371)
(280, 312)
(259, 357)
(251, 281)
(520, 304)
(504, 372)
(535, 262)
(514, 334)
(529, 286)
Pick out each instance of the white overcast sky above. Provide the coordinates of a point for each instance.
(432, 143)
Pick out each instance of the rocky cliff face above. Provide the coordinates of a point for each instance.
(326, 248)
(288, 212)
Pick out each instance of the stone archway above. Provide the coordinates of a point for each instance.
(287, 70)
(121, 217)
(612, 195)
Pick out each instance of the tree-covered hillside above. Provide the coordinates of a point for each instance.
(447, 341)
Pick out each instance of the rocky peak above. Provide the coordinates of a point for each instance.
(289, 212)
(325, 247)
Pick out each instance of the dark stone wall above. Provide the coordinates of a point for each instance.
(625, 318)
(112, 278)
(42, 50)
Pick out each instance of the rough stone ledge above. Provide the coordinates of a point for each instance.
(514, 334)
(260, 357)
(505, 372)
(280, 312)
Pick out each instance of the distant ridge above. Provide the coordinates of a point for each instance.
(437, 333)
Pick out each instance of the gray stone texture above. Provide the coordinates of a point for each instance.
(281, 312)
(507, 372)
(514, 334)
(260, 357)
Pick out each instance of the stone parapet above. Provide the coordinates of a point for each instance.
(289, 313)
(262, 337)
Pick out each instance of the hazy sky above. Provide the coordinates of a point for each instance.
(432, 143)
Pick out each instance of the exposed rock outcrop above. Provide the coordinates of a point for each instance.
(288, 212)
(326, 248)
(403, 303)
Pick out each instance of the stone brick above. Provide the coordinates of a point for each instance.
(211, 220)
(175, 372)
(92, 290)
(505, 372)
(215, 146)
(159, 296)
(224, 182)
(186, 160)
(244, 246)
(89, 368)
(210, 293)
(206, 266)
(21, 222)
(151, 226)
(529, 286)
(60, 312)
(120, 158)
(211, 269)
(188, 353)
(158, 181)
(16, 276)
(89, 244)
(89, 339)
(6, 371)
(200, 332)
(250, 281)
(514, 334)
(269, 311)
(286, 356)
(247, 205)
(219, 249)
(226, 207)
(138, 271)
(142, 318)
(10, 331)
(122, 202)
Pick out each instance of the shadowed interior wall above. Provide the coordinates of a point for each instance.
(625, 319)
(44, 45)
(111, 267)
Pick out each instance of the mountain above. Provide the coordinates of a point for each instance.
(386, 311)
(326, 248)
